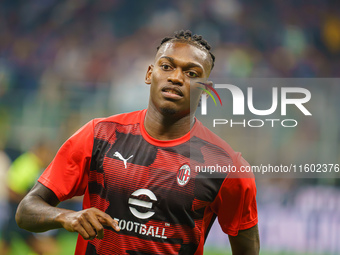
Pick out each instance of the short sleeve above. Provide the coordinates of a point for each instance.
(67, 174)
(235, 204)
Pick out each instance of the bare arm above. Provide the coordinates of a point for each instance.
(247, 242)
(37, 213)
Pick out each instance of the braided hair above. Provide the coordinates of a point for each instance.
(188, 37)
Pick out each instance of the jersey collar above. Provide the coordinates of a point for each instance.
(164, 143)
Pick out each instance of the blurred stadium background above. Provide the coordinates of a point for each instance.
(63, 63)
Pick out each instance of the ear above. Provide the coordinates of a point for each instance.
(148, 74)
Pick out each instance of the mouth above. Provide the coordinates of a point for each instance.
(172, 93)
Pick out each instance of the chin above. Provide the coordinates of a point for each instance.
(168, 111)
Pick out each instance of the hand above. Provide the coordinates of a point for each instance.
(88, 223)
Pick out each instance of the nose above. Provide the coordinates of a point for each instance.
(176, 77)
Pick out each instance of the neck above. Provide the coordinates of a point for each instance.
(164, 127)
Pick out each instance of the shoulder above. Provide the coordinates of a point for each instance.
(208, 137)
(124, 123)
(106, 125)
(220, 150)
(123, 118)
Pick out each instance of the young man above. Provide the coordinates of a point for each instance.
(136, 171)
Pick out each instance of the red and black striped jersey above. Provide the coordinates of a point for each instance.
(162, 193)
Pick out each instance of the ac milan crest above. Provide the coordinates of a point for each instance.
(183, 175)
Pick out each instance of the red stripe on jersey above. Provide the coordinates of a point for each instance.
(106, 132)
(115, 243)
(98, 178)
(99, 202)
(198, 204)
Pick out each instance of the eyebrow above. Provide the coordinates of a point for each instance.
(188, 65)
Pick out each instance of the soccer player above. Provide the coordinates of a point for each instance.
(136, 171)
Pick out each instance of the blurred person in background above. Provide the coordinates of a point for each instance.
(20, 178)
(133, 171)
(5, 163)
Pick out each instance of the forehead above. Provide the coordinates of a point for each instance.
(185, 52)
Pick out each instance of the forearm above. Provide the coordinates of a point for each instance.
(36, 215)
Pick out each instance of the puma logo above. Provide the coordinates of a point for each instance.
(118, 155)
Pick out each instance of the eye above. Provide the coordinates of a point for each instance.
(166, 67)
(192, 74)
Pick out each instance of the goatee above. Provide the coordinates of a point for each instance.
(168, 111)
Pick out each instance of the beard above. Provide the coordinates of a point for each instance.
(168, 111)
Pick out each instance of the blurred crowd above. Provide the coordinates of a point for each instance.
(69, 51)
(63, 62)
